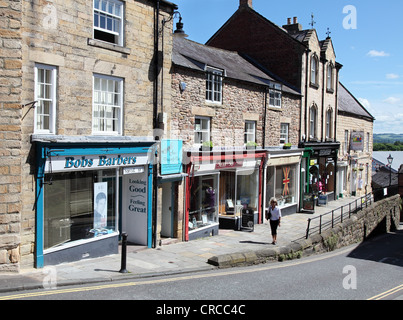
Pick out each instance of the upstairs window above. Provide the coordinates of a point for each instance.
(329, 114)
(284, 133)
(312, 122)
(329, 85)
(108, 105)
(202, 130)
(250, 131)
(214, 85)
(275, 95)
(108, 21)
(45, 95)
(314, 71)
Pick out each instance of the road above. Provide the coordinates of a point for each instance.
(373, 270)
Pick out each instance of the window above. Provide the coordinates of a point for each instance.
(345, 141)
(314, 70)
(214, 85)
(202, 130)
(284, 132)
(45, 94)
(108, 21)
(312, 122)
(367, 142)
(107, 108)
(250, 131)
(330, 78)
(71, 209)
(282, 183)
(275, 95)
(329, 123)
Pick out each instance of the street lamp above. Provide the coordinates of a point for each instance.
(390, 160)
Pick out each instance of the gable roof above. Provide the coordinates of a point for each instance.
(196, 56)
(349, 104)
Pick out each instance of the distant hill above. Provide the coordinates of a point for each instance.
(387, 137)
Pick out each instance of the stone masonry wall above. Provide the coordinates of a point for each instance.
(241, 102)
(10, 134)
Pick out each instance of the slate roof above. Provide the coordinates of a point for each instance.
(349, 104)
(196, 56)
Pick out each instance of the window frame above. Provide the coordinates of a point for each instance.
(118, 35)
(52, 99)
(208, 130)
(214, 85)
(249, 131)
(346, 141)
(330, 78)
(329, 127)
(313, 122)
(275, 95)
(119, 106)
(314, 71)
(287, 136)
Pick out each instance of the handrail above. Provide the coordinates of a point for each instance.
(330, 223)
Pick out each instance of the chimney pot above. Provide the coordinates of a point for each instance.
(288, 20)
(295, 20)
(246, 3)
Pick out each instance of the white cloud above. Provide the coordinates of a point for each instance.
(375, 53)
(392, 100)
(366, 104)
(392, 76)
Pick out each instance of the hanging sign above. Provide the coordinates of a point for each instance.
(357, 141)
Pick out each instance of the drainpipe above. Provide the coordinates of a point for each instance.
(264, 118)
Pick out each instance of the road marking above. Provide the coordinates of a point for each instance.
(179, 278)
(387, 293)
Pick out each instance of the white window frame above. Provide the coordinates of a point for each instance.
(330, 77)
(109, 99)
(106, 9)
(314, 70)
(214, 85)
(275, 95)
(329, 116)
(38, 126)
(346, 140)
(200, 130)
(284, 132)
(250, 131)
(313, 114)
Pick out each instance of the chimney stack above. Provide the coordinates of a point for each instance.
(292, 27)
(246, 3)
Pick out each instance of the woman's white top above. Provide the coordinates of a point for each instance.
(275, 213)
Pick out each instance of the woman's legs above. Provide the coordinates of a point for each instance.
(273, 226)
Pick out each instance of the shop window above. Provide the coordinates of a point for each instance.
(247, 189)
(203, 202)
(45, 95)
(108, 105)
(281, 183)
(108, 21)
(79, 205)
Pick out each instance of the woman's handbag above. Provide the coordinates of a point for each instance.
(268, 214)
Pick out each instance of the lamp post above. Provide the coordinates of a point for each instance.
(390, 160)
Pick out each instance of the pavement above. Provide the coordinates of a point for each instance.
(228, 248)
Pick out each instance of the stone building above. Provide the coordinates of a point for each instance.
(80, 97)
(355, 133)
(309, 65)
(220, 97)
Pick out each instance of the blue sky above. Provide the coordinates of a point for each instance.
(371, 51)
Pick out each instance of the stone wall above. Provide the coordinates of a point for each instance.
(241, 101)
(10, 134)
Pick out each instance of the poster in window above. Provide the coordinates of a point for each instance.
(100, 204)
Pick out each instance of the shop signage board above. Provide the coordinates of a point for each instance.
(171, 156)
(93, 162)
(135, 207)
(357, 141)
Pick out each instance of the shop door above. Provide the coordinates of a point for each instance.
(167, 211)
(135, 207)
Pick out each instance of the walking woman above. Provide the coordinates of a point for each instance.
(275, 218)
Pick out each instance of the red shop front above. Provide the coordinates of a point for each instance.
(219, 186)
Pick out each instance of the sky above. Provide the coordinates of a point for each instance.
(366, 37)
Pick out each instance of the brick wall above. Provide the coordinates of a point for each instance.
(10, 134)
(241, 101)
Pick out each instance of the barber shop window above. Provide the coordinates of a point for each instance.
(108, 21)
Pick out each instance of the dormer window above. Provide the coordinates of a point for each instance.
(214, 85)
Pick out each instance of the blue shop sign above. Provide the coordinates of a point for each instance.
(171, 156)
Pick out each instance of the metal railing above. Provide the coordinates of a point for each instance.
(330, 219)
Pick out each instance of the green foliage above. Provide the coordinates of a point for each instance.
(331, 242)
(396, 146)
